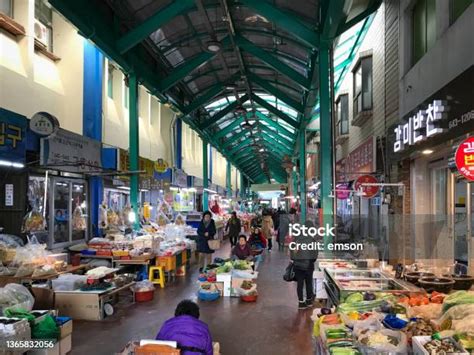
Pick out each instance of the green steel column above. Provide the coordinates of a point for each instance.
(325, 135)
(242, 186)
(205, 177)
(133, 144)
(302, 150)
(228, 180)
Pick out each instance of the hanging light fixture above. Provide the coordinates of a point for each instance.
(213, 46)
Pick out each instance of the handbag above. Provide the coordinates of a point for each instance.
(289, 274)
(214, 244)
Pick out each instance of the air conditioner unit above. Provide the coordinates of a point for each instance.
(41, 33)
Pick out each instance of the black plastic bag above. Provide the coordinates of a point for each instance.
(289, 274)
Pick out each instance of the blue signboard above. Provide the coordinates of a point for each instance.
(12, 136)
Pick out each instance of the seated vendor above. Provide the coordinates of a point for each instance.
(191, 334)
(242, 250)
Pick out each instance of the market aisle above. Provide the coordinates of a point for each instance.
(273, 325)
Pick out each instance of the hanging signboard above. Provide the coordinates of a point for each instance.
(465, 158)
(145, 165)
(44, 124)
(183, 201)
(180, 178)
(360, 160)
(71, 152)
(368, 191)
(161, 165)
(12, 136)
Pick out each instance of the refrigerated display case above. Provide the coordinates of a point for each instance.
(341, 283)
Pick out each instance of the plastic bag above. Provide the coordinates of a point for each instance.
(45, 329)
(32, 253)
(78, 219)
(351, 322)
(33, 222)
(162, 220)
(15, 296)
(103, 220)
(44, 270)
(180, 220)
(378, 343)
(459, 318)
(10, 241)
(143, 286)
(4, 271)
(246, 291)
(25, 270)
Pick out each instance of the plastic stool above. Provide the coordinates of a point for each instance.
(160, 280)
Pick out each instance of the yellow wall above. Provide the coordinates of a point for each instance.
(219, 168)
(31, 82)
(154, 125)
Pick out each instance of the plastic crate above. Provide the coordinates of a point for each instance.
(168, 262)
(120, 253)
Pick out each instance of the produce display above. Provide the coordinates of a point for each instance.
(387, 322)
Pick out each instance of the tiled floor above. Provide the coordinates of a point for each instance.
(273, 325)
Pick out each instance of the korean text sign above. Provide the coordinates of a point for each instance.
(12, 136)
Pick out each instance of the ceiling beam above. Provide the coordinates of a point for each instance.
(266, 105)
(235, 137)
(228, 109)
(286, 21)
(275, 125)
(336, 15)
(184, 70)
(281, 145)
(203, 99)
(275, 92)
(373, 6)
(273, 62)
(236, 122)
(151, 24)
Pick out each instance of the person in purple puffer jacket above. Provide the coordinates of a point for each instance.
(185, 328)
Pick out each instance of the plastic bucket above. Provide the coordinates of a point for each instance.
(145, 296)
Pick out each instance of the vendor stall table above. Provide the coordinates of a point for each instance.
(87, 305)
(28, 279)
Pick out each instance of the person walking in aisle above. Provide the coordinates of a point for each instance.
(268, 229)
(233, 227)
(206, 231)
(191, 334)
(303, 261)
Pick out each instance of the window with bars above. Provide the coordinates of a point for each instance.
(424, 28)
(363, 86)
(342, 112)
(43, 27)
(6, 7)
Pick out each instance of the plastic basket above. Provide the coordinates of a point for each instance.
(145, 296)
(208, 296)
(249, 298)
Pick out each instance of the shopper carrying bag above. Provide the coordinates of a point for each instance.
(206, 232)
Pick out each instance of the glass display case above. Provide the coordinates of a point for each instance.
(64, 210)
(341, 283)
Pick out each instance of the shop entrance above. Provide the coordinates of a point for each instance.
(463, 218)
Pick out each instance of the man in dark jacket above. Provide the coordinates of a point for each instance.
(233, 227)
(303, 261)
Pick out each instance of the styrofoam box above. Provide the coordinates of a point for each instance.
(227, 280)
(419, 346)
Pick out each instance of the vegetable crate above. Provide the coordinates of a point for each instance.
(168, 262)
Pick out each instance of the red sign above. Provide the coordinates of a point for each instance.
(465, 158)
(360, 160)
(368, 191)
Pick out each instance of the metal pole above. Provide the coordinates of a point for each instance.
(325, 135)
(133, 144)
(302, 151)
(228, 180)
(205, 177)
(333, 131)
(179, 143)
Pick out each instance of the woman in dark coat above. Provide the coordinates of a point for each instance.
(206, 231)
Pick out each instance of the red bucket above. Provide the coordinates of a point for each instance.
(145, 296)
(249, 298)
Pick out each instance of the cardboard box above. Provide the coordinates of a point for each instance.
(65, 344)
(226, 279)
(44, 298)
(65, 329)
(85, 306)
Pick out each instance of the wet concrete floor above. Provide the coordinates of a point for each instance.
(273, 325)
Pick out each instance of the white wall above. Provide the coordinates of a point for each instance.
(373, 44)
(31, 82)
(154, 120)
(192, 152)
